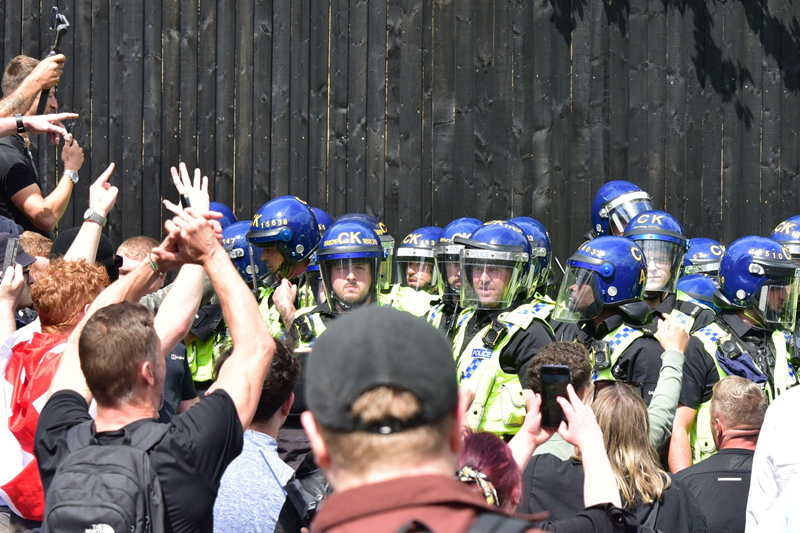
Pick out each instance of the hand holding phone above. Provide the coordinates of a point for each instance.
(10, 257)
(555, 379)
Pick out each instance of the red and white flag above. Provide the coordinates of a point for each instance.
(28, 361)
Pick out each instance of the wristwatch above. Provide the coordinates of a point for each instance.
(73, 176)
(94, 216)
(20, 125)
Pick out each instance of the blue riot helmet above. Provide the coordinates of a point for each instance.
(698, 289)
(495, 262)
(448, 256)
(246, 257)
(661, 237)
(228, 217)
(324, 220)
(604, 272)
(349, 259)
(289, 225)
(541, 251)
(415, 263)
(788, 234)
(758, 273)
(387, 241)
(702, 257)
(615, 204)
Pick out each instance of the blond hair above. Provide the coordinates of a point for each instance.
(739, 402)
(622, 416)
(35, 244)
(358, 452)
(137, 247)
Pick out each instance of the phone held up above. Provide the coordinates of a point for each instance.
(555, 379)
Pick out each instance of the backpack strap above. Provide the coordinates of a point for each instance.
(489, 522)
(144, 437)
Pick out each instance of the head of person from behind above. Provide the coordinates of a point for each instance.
(132, 252)
(738, 408)
(623, 419)
(119, 354)
(382, 405)
(487, 464)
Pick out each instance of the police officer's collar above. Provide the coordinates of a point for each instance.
(739, 327)
(667, 305)
(608, 325)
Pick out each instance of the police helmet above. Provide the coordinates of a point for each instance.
(604, 272)
(448, 256)
(702, 257)
(349, 259)
(788, 234)
(228, 217)
(246, 257)
(324, 220)
(415, 264)
(495, 262)
(759, 273)
(615, 204)
(541, 251)
(387, 241)
(288, 224)
(698, 289)
(661, 237)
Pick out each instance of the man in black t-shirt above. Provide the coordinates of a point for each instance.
(118, 352)
(721, 482)
(21, 196)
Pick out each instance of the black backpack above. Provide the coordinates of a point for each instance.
(106, 488)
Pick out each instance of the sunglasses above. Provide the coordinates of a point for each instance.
(601, 384)
(118, 261)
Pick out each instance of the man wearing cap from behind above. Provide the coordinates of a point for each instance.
(385, 424)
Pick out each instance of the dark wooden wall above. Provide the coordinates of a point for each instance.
(422, 111)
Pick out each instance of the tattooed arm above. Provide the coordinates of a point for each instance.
(44, 76)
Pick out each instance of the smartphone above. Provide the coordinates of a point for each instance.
(10, 258)
(555, 379)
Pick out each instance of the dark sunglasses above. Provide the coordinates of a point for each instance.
(118, 261)
(601, 384)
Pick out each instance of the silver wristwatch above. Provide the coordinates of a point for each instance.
(72, 175)
(94, 216)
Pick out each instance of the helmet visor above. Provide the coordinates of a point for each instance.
(490, 279)
(624, 213)
(664, 261)
(350, 281)
(711, 268)
(776, 302)
(578, 298)
(448, 263)
(386, 264)
(415, 268)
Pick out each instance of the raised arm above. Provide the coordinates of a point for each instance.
(11, 287)
(674, 339)
(242, 376)
(102, 197)
(45, 76)
(36, 124)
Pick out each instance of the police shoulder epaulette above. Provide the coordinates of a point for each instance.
(522, 316)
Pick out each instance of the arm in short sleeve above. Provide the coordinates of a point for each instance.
(523, 348)
(699, 375)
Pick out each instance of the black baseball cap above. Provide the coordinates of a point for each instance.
(105, 251)
(379, 346)
(24, 259)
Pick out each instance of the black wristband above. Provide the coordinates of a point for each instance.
(20, 125)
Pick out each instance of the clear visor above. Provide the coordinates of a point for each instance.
(312, 292)
(578, 298)
(350, 281)
(490, 283)
(386, 265)
(776, 302)
(711, 268)
(416, 269)
(448, 263)
(664, 261)
(624, 213)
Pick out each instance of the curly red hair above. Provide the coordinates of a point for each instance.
(66, 287)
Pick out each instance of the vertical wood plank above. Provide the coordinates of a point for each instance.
(337, 106)
(483, 65)
(537, 50)
(318, 102)
(81, 14)
(394, 177)
(749, 118)
(132, 111)
(656, 100)
(116, 110)
(638, 104)
(188, 84)
(710, 218)
(695, 24)
(443, 128)
(790, 119)
(298, 131)
(675, 113)
(280, 178)
(619, 88)
(173, 99)
(100, 89)
(599, 104)
(464, 185)
(733, 201)
(501, 194)
(771, 123)
(152, 222)
(243, 126)
(357, 55)
(580, 133)
(206, 92)
(226, 72)
(426, 159)
(262, 104)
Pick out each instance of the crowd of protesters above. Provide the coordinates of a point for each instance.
(299, 373)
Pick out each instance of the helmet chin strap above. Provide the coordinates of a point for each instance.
(347, 307)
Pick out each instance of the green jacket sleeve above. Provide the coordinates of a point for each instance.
(665, 397)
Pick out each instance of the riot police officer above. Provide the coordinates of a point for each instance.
(287, 231)
(750, 337)
(497, 333)
(415, 263)
(698, 289)
(541, 258)
(349, 259)
(443, 313)
(702, 257)
(661, 238)
(614, 205)
(603, 295)
(228, 217)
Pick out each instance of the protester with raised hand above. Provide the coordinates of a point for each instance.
(115, 360)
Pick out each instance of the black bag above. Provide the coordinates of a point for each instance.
(304, 492)
(106, 488)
